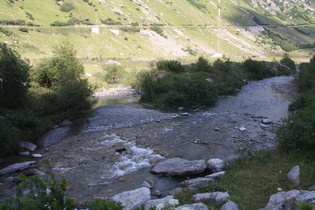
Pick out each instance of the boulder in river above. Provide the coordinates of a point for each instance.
(16, 167)
(179, 167)
(133, 199)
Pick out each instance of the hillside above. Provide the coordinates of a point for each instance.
(143, 29)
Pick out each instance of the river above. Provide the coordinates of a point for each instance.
(115, 148)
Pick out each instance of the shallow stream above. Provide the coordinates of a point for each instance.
(114, 150)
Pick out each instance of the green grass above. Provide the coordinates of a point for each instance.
(250, 183)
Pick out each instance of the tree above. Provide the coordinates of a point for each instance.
(14, 75)
(71, 95)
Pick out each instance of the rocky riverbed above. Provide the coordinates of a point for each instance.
(114, 150)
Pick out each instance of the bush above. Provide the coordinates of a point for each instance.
(66, 7)
(9, 137)
(14, 75)
(71, 95)
(34, 193)
(287, 61)
(297, 132)
(203, 65)
(25, 30)
(257, 70)
(169, 65)
(113, 73)
(188, 90)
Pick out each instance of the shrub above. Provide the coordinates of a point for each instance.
(188, 90)
(34, 193)
(9, 137)
(203, 65)
(169, 65)
(257, 70)
(143, 84)
(66, 7)
(70, 95)
(25, 30)
(113, 73)
(158, 30)
(287, 61)
(14, 75)
(110, 21)
(5, 31)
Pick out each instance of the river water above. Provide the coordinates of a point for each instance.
(114, 149)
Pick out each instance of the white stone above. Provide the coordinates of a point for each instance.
(230, 205)
(242, 128)
(294, 175)
(37, 155)
(28, 145)
(133, 199)
(215, 165)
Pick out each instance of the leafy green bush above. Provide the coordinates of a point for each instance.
(25, 30)
(34, 193)
(66, 7)
(287, 61)
(257, 70)
(158, 30)
(5, 31)
(112, 73)
(71, 95)
(14, 76)
(169, 65)
(188, 90)
(297, 132)
(103, 204)
(110, 21)
(227, 76)
(203, 65)
(143, 84)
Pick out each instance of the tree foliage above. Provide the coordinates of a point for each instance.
(14, 77)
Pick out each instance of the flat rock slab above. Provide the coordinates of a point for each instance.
(192, 183)
(195, 206)
(216, 197)
(179, 167)
(133, 199)
(16, 167)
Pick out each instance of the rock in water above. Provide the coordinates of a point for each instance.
(16, 167)
(133, 199)
(179, 167)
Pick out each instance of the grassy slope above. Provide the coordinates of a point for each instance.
(175, 15)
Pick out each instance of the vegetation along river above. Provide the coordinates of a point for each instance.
(115, 148)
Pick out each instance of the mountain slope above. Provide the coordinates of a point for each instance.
(158, 28)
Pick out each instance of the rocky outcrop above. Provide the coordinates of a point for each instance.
(286, 200)
(133, 199)
(179, 167)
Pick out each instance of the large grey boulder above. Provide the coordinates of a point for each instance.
(216, 197)
(165, 202)
(294, 175)
(286, 200)
(200, 181)
(230, 205)
(215, 165)
(179, 167)
(28, 145)
(195, 206)
(16, 167)
(132, 199)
